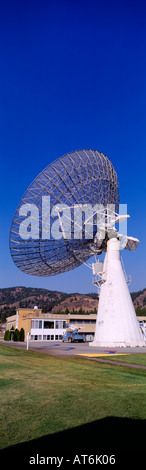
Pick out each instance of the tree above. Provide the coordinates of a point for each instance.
(21, 335)
(66, 311)
(140, 311)
(7, 335)
(16, 335)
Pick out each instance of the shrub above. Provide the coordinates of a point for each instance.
(16, 335)
(7, 335)
(21, 335)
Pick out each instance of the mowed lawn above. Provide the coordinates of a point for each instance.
(137, 359)
(42, 394)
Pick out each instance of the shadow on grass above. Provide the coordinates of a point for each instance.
(122, 437)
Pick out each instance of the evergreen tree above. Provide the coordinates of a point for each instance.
(16, 335)
(21, 334)
(7, 335)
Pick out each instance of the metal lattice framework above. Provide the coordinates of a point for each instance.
(78, 178)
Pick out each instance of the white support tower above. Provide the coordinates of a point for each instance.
(116, 325)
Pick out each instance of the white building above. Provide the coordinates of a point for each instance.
(52, 326)
(49, 329)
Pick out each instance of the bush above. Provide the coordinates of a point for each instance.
(7, 335)
(21, 335)
(16, 335)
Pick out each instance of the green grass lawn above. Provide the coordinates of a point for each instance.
(138, 359)
(42, 394)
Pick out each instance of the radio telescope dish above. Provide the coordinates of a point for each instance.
(79, 178)
(66, 216)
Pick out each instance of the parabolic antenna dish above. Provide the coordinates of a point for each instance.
(53, 206)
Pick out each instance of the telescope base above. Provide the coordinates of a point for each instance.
(116, 324)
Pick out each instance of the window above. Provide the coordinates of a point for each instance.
(56, 337)
(60, 324)
(48, 337)
(36, 323)
(52, 337)
(86, 320)
(76, 321)
(48, 324)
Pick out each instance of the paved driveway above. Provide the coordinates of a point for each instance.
(66, 349)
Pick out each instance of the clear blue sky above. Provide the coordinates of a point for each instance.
(73, 75)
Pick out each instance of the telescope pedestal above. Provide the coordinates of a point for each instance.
(116, 323)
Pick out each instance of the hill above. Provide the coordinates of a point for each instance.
(139, 298)
(53, 301)
(49, 301)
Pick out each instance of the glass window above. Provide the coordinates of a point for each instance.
(48, 337)
(35, 324)
(60, 324)
(56, 336)
(40, 323)
(48, 324)
(52, 337)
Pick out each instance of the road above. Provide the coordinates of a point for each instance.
(57, 348)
